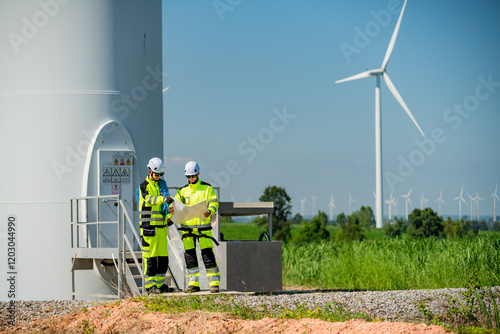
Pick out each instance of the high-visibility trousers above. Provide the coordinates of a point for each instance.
(208, 256)
(154, 255)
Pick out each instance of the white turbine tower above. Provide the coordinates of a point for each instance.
(350, 201)
(495, 197)
(477, 203)
(390, 203)
(440, 200)
(407, 200)
(460, 199)
(314, 203)
(378, 131)
(472, 206)
(331, 205)
(302, 201)
(423, 201)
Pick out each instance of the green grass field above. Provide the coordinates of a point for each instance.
(381, 263)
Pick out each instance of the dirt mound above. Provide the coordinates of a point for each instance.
(133, 317)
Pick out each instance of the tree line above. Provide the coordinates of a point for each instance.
(421, 223)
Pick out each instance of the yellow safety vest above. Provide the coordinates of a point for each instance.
(192, 194)
(150, 204)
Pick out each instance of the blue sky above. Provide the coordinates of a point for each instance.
(253, 99)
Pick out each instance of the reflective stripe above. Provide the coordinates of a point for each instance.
(160, 281)
(149, 281)
(152, 200)
(196, 226)
(213, 274)
(212, 200)
(194, 275)
(145, 250)
(213, 207)
(146, 219)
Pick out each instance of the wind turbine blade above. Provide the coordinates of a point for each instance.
(398, 97)
(393, 39)
(363, 75)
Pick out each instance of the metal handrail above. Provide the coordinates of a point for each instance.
(123, 241)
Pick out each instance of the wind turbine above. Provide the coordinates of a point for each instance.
(350, 201)
(314, 203)
(423, 201)
(407, 196)
(460, 200)
(472, 206)
(440, 200)
(390, 203)
(495, 197)
(331, 205)
(477, 202)
(378, 131)
(302, 201)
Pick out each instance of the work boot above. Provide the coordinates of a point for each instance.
(214, 289)
(192, 288)
(152, 290)
(165, 289)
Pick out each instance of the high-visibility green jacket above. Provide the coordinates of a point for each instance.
(192, 194)
(150, 205)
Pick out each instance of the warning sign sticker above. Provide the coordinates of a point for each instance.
(106, 174)
(115, 174)
(125, 175)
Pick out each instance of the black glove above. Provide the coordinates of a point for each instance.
(168, 199)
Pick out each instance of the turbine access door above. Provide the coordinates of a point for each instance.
(111, 172)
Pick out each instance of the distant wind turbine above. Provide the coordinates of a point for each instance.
(302, 201)
(423, 201)
(378, 131)
(495, 198)
(440, 200)
(460, 200)
(390, 203)
(472, 206)
(407, 197)
(331, 205)
(477, 203)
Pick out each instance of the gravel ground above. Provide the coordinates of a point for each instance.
(383, 305)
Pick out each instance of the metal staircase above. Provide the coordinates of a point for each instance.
(104, 239)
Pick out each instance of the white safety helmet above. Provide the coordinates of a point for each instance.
(192, 168)
(156, 165)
